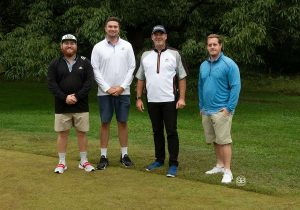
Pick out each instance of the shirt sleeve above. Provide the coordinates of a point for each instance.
(52, 81)
(95, 60)
(200, 90)
(235, 87)
(140, 75)
(89, 78)
(131, 67)
(180, 70)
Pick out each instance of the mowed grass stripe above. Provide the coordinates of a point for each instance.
(28, 182)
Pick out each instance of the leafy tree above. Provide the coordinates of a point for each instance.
(259, 34)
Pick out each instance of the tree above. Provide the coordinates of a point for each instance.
(258, 34)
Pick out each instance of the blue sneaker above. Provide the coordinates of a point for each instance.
(172, 171)
(154, 165)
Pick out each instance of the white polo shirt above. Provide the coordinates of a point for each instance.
(113, 65)
(159, 71)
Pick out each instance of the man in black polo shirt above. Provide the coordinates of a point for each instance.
(70, 78)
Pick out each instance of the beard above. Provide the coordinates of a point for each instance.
(69, 52)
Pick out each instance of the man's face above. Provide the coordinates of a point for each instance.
(159, 38)
(68, 48)
(112, 29)
(213, 47)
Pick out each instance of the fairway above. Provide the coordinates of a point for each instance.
(31, 184)
(266, 152)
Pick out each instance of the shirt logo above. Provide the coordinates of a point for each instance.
(166, 60)
(123, 48)
(80, 67)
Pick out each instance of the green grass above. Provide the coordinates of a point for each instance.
(266, 130)
(35, 186)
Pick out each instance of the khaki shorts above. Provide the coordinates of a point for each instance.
(217, 128)
(65, 121)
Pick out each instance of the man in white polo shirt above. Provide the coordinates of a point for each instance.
(162, 70)
(113, 63)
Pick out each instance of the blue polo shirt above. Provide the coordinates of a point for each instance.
(219, 85)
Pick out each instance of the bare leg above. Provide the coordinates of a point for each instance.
(82, 141)
(104, 135)
(123, 134)
(62, 138)
(227, 153)
(219, 154)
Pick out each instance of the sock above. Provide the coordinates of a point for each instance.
(104, 152)
(62, 158)
(124, 151)
(83, 157)
(219, 166)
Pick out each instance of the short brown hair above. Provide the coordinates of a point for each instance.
(113, 19)
(219, 37)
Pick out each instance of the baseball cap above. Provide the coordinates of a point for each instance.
(68, 37)
(159, 28)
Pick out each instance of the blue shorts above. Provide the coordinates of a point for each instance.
(108, 104)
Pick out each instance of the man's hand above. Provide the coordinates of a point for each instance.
(180, 104)
(115, 91)
(225, 111)
(71, 99)
(140, 105)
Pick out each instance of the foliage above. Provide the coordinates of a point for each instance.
(255, 32)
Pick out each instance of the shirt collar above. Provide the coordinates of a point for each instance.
(214, 60)
(75, 59)
(109, 42)
(161, 50)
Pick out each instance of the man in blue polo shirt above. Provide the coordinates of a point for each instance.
(219, 87)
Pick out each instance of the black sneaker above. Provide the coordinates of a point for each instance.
(103, 163)
(126, 161)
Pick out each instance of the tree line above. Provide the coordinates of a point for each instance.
(259, 34)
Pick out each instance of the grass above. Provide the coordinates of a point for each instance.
(77, 189)
(266, 130)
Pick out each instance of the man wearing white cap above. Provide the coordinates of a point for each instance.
(70, 78)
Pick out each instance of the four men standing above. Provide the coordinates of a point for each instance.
(162, 72)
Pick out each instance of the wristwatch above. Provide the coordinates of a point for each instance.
(138, 97)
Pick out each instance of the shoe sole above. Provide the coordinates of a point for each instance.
(81, 167)
(214, 173)
(170, 175)
(123, 164)
(226, 182)
(102, 168)
(57, 172)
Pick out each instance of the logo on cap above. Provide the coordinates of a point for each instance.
(159, 28)
(68, 37)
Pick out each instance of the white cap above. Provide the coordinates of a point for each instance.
(68, 37)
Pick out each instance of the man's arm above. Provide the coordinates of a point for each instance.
(139, 92)
(88, 82)
(95, 61)
(182, 89)
(52, 83)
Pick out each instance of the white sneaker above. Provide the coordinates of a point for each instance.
(227, 177)
(60, 168)
(215, 170)
(86, 166)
